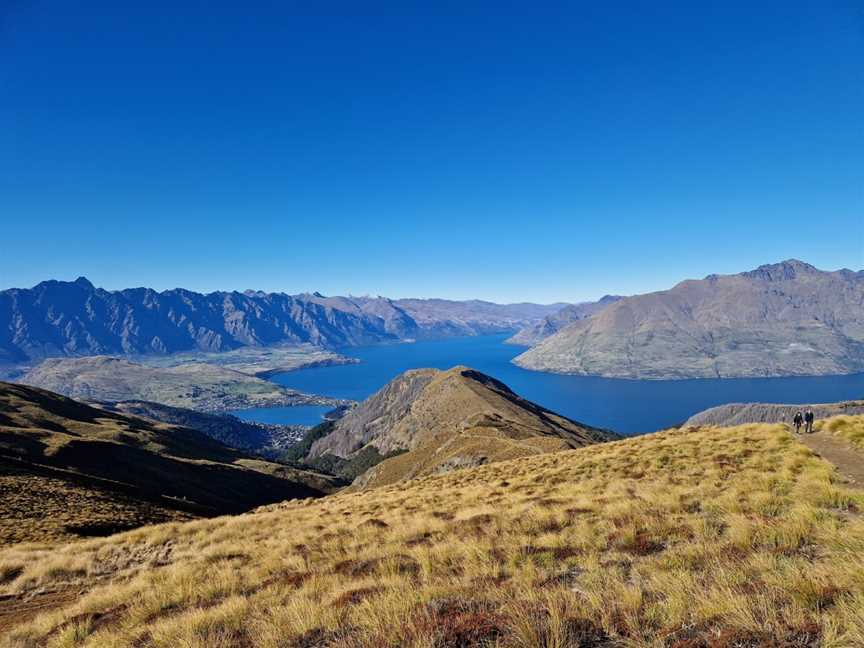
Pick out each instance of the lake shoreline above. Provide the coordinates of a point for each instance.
(626, 406)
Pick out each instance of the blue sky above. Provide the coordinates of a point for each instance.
(494, 150)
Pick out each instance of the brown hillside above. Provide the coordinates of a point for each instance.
(443, 420)
(70, 469)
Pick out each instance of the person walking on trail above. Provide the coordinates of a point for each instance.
(809, 417)
(797, 421)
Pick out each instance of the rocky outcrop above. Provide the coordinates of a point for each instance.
(784, 319)
(428, 421)
(381, 420)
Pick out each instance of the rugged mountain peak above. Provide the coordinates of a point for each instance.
(84, 282)
(784, 271)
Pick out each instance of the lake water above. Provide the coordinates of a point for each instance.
(626, 406)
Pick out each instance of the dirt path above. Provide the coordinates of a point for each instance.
(849, 461)
(16, 610)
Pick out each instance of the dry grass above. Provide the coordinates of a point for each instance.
(44, 508)
(68, 469)
(850, 428)
(687, 538)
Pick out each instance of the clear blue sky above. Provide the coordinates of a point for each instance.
(493, 150)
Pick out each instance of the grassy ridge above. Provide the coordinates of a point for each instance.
(68, 469)
(715, 537)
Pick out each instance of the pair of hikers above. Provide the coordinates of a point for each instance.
(806, 419)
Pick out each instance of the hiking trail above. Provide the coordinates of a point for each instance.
(848, 461)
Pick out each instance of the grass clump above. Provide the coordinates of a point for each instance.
(850, 428)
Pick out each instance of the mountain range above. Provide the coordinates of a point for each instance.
(782, 319)
(57, 318)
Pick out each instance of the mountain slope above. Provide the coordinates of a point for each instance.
(721, 537)
(109, 457)
(438, 421)
(200, 386)
(553, 323)
(778, 320)
(57, 318)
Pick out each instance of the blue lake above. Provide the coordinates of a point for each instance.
(627, 406)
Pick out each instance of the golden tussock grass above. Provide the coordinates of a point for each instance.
(715, 537)
(850, 428)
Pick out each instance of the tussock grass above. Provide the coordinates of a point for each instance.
(850, 428)
(714, 537)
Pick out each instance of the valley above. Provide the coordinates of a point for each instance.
(267, 440)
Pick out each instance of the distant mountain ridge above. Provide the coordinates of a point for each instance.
(57, 318)
(553, 323)
(780, 319)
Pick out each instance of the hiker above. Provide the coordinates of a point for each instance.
(797, 421)
(808, 420)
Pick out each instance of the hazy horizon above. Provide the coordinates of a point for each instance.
(410, 296)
